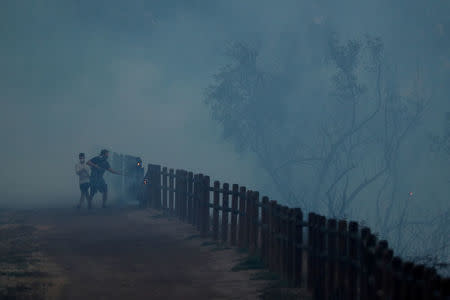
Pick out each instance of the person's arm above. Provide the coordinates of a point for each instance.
(108, 167)
(78, 169)
(90, 163)
(114, 172)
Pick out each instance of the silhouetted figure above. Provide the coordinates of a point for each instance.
(82, 170)
(99, 165)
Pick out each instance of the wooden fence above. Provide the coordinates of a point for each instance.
(334, 259)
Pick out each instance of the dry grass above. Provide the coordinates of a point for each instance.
(24, 272)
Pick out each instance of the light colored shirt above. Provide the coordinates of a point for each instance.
(82, 170)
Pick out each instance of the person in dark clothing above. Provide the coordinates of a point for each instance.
(99, 165)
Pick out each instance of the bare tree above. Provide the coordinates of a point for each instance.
(348, 155)
(249, 103)
(353, 147)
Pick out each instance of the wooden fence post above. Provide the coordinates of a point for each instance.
(382, 269)
(205, 206)
(180, 195)
(179, 189)
(154, 172)
(255, 223)
(370, 265)
(234, 213)
(445, 288)
(242, 241)
(407, 282)
(171, 190)
(298, 247)
(281, 236)
(321, 257)
(332, 258)
(419, 283)
(353, 256)
(379, 251)
(190, 191)
(284, 237)
(225, 210)
(397, 278)
(195, 200)
(342, 254)
(177, 193)
(164, 189)
(311, 250)
(248, 219)
(264, 230)
(148, 199)
(272, 236)
(278, 265)
(290, 247)
(216, 210)
(200, 194)
(185, 196)
(388, 273)
(182, 199)
(147, 189)
(157, 190)
(431, 287)
(363, 272)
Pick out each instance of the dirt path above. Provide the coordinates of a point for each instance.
(133, 254)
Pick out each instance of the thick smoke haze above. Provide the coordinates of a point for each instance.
(77, 76)
(78, 80)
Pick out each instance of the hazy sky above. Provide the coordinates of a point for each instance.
(130, 76)
(75, 81)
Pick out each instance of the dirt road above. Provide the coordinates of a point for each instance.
(132, 254)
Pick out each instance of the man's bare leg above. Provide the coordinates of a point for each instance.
(89, 199)
(81, 200)
(105, 198)
(83, 195)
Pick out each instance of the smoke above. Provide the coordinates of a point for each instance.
(73, 83)
(79, 76)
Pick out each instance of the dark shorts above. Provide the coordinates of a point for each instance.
(98, 185)
(84, 187)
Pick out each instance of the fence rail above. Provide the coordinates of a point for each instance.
(334, 259)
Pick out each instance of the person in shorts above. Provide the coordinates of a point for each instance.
(99, 165)
(82, 170)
